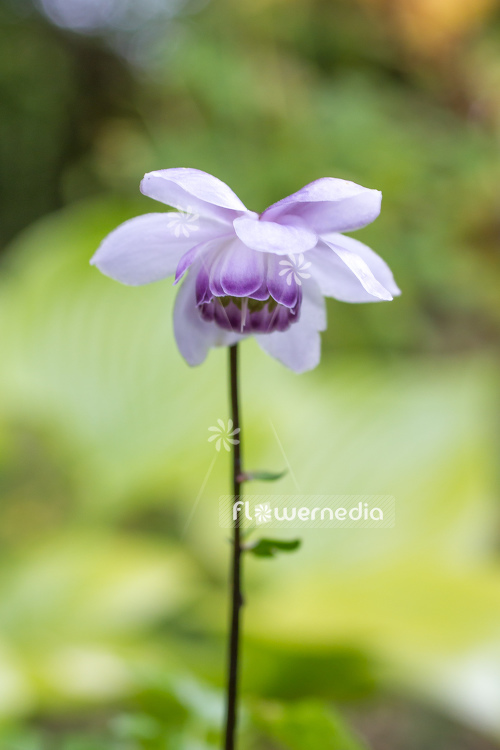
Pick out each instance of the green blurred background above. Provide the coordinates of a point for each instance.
(113, 595)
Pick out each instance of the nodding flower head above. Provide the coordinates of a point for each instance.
(248, 274)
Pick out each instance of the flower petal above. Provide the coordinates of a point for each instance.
(283, 288)
(214, 268)
(201, 250)
(193, 335)
(146, 249)
(361, 271)
(271, 237)
(377, 266)
(203, 293)
(243, 270)
(299, 348)
(193, 191)
(313, 308)
(335, 279)
(329, 205)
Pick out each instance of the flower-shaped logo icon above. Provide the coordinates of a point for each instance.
(263, 513)
(295, 269)
(224, 435)
(184, 222)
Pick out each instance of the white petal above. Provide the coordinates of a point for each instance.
(362, 272)
(313, 308)
(328, 205)
(299, 348)
(336, 279)
(271, 237)
(193, 191)
(147, 248)
(377, 266)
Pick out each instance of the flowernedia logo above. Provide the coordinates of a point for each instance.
(311, 511)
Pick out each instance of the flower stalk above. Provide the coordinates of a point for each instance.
(236, 595)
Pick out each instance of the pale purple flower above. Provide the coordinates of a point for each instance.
(248, 274)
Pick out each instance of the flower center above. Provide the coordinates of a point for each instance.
(248, 315)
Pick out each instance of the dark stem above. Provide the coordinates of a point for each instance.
(236, 597)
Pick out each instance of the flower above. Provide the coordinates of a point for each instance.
(241, 276)
(224, 436)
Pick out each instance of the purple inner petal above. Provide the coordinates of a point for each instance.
(203, 293)
(216, 264)
(283, 287)
(243, 271)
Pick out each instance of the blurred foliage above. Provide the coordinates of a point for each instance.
(112, 590)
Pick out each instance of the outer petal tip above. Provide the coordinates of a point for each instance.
(353, 272)
(330, 205)
(193, 191)
(359, 267)
(396, 291)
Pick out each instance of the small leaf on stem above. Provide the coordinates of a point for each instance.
(262, 476)
(269, 547)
